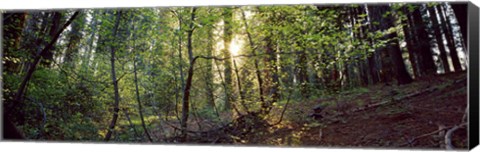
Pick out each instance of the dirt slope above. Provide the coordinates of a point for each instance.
(438, 102)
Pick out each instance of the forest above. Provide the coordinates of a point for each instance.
(356, 75)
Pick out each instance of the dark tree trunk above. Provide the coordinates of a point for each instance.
(227, 38)
(140, 109)
(438, 37)
(239, 86)
(372, 58)
(461, 13)
(20, 92)
(427, 65)
(447, 28)
(48, 54)
(186, 98)
(209, 74)
(186, 92)
(363, 35)
(32, 68)
(257, 69)
(396, 65)
(111, 127)
(271, 75)
(409, 39)
(131, 123)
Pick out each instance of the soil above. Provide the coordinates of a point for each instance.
(404, 123)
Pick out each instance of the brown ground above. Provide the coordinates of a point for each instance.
(388, 126)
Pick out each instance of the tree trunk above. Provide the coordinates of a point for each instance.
(186, 97)
(446, 26)
(48, 54)
(32, 68)
(20, 92)
(209, 74)
(131, 124)
(140, 110)
(186, 92)
(460, 10)
(239, 85)
(438, 37)
(427, 65)
(227, 39)
(114, 80)
(271, 74)
(410, 40)
(393, 48)
(257, 69)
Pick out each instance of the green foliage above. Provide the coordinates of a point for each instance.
(306, 45)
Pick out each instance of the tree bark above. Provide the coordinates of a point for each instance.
(460, 10)
(410, 40)
(438, 37)
(227, 39)
(140, 110)
(131, 123)
(209, 82)
(186, 97)
(253, 49)
(114, 80)
(272, 81)
(48, 54)
(186, 92)
(239, 85)
(393, 48)
(446, 26)
(427, 64)
(20, 92)
(32, 68)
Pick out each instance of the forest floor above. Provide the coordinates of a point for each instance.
(418, 117)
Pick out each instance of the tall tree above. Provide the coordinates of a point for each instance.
(439, 40)
(113, 49)
(188, 84)
(227, 39)
(55, 25)
(254, 53)
(460, 10)
(140, 109)
(447, 28)
(427, 64)
(392, 45)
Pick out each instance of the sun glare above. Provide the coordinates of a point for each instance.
(236, 45)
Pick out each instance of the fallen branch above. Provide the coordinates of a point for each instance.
(283, 111)
(410, 141)
(432, 133)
